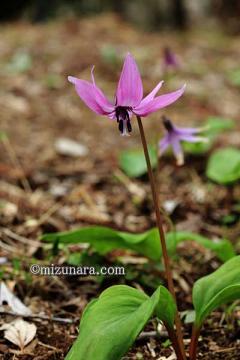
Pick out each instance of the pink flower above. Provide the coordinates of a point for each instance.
(129, 96)
(175, 135)
(170, 59)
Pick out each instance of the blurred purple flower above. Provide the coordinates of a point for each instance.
(129, 96)
(175, 135)
(170, 59)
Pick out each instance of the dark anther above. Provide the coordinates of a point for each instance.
(120, 125)
(123, 119)
(167, 123)
(129, 126)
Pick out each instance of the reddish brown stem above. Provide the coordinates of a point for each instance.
(162, 236)
(194, 343)
(175, 342)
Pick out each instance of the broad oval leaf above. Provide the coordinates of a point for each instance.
(216, 289)
(224, 166)
(111, 323)
(104, 240)
(133, 162)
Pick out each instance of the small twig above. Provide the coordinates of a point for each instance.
(48, 214)
(132, 187)
(152, 334)
(43, 218)
(20, 238)
(85, 197)
(49, 347)
(225, 350)
(41, 317)
(9, 248)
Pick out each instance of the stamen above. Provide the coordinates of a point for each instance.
(123, 119)
(129, 126)
(120, 126)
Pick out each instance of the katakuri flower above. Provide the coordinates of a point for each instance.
(129, 96)
(170, 59)
(175, 135)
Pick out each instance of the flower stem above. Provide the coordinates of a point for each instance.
(161, 234)
(175, 342)
(194, 343)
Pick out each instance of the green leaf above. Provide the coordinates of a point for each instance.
(53, 81)
(224, 166)
(197, 148)
(214, 125)
(109, 55)
(214, 290)
(104, 240)
(234, 77)
(229, 219)
(3, 136)
(133, 162)
(222, 248)
(75, 259)
(111, 323)
(20, 62)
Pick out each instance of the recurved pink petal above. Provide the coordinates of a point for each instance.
(178, 152)
(158, 102)
(164, 144)
(130, 89)
(151, 95)
(92, 96)
(187, 131)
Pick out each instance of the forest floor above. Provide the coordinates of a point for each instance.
(42, 189)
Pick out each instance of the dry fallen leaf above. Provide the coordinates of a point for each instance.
(19, 332)
(13, 302)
